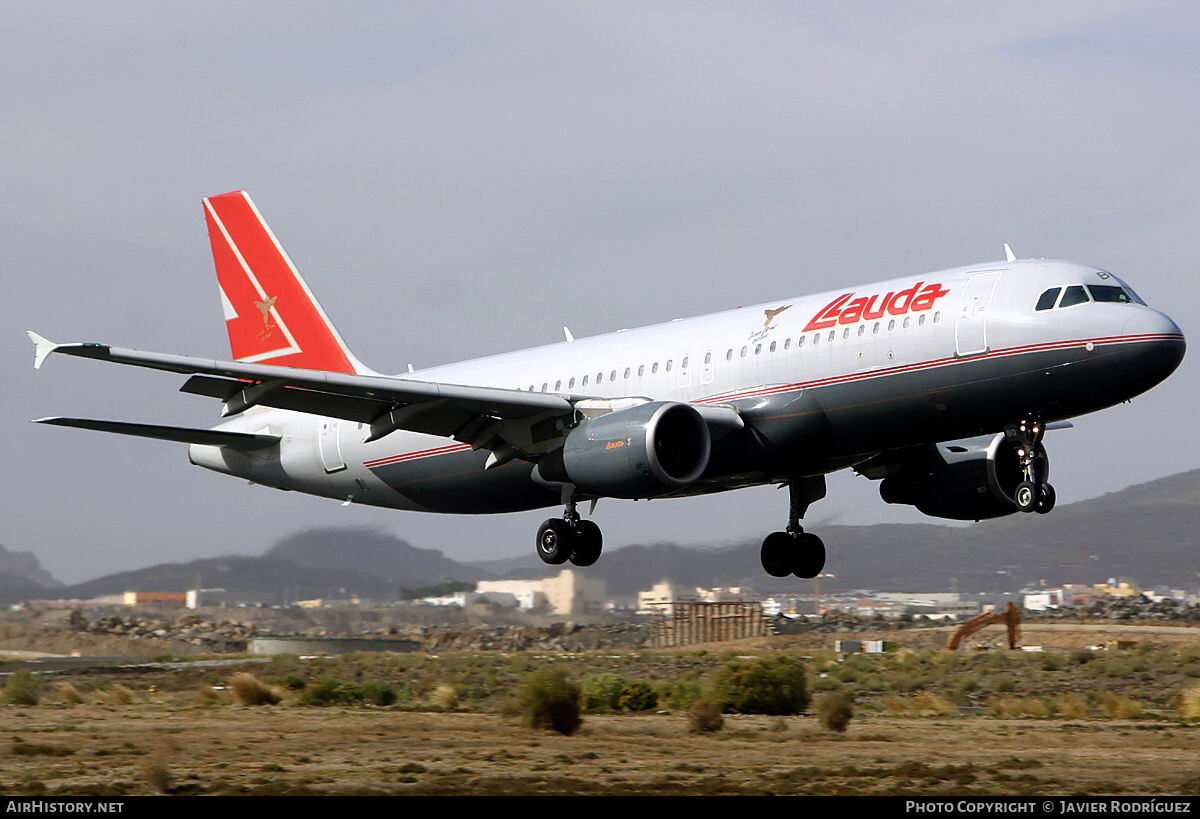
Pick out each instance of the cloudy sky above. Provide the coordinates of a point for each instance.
(456, 179)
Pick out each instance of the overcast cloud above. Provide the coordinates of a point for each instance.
(457, 179)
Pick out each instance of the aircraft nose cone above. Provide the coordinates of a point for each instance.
(1151, 323)
(1159, 342)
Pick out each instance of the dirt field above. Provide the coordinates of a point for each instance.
(166, 741)
(145, 749)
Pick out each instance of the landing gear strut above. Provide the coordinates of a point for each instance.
(795, 551)
(571, 538)
(1033, 493)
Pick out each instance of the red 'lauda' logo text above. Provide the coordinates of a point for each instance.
(843, 310)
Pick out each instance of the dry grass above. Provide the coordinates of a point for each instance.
(1119, 707)
(311, 751)
(1071, 705)
(250, 690)
(1018, 707)
(1189, 700)
(67, 693)
(121, 695)
(922, 702)
(445, 696)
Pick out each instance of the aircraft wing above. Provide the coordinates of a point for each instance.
(507, 422)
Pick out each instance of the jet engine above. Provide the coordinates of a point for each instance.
(963, 480)
(640, 452)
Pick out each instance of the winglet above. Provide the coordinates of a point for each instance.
(42, 348)
(1008, 254)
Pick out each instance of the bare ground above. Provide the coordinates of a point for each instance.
(148, 748)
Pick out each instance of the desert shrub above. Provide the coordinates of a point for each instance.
(547, 700)
(704, 717)
(379, 692)
(331, 691)
(68, 693)
(638, 696)
(602, 692)
(923, 702)
(682, 691)
(445, 696)
(834, 710)
(250, 690)
(207, 695)
(1018, 707)
(1071, 705)
(774, 685)
(1119, 707)
(1189, 700)
(121, 694)
(22, 688)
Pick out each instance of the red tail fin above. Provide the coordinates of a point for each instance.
(271, 315)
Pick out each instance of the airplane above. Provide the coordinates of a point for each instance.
(939, 386)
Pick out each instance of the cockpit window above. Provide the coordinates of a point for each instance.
(1109, 292)
(1048, 298)
(1134, 295)
(1075, 295)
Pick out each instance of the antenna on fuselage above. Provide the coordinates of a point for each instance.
(1008, 254)
(567, 333)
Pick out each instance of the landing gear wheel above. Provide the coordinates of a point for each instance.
(1026, 496)
(1045, 499)
(776, 554)
(809, 558)
(588, 543)
(555, 541)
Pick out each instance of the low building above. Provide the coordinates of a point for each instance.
(663, 594)
(168, 599)
(568, 593)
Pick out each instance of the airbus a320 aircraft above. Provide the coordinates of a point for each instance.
(941, 386)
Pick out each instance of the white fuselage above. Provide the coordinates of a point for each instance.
(871, 358)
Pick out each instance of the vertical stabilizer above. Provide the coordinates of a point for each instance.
(271, 315)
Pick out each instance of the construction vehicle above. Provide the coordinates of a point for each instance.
(1009, 616)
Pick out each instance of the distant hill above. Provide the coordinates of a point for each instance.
(22, 569)
(371, 552)
(1149, 532)
(308, 564)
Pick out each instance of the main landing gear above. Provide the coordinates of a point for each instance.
(1033, 493)
(570, 538)
(795, 551)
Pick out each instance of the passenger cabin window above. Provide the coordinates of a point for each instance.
(1047, 299)
(1075, 295)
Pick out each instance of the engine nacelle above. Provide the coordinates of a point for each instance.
(963, 480)
(640, 452)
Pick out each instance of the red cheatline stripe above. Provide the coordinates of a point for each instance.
(409, 456)
(902, 368)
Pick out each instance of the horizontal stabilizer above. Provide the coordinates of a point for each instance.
(184, 435)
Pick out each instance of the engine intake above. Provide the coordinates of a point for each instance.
(640, 452)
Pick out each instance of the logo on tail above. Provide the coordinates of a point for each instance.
(288, 327)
